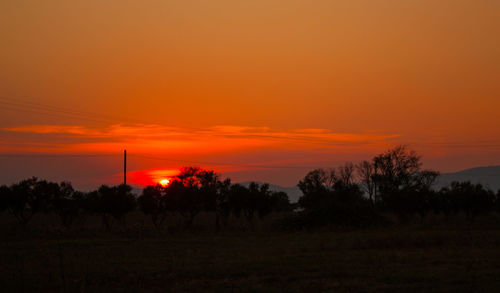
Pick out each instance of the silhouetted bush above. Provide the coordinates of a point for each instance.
(29, 197)
(280, 202)
(185, 193)
(153, 202)
(332, 198)
(4, 197)
(497, 201)
(196, 190)
(351, 195)
(472, 199)
(66, 205)
(114, 202)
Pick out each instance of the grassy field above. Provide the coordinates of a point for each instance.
(409, 259)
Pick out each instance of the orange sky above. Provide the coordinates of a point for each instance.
(267, 82)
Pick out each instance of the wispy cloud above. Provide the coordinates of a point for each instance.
(50, 129)
(154, 138)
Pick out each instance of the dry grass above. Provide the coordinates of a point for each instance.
(409, 258)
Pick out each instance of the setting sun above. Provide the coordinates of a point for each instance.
(164, 182)
(195, 145)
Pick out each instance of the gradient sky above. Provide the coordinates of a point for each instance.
(258, 90)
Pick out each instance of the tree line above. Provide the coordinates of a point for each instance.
(192, 191)
(392, 183)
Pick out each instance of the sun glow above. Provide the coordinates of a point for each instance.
(164, 182)
(152, 176)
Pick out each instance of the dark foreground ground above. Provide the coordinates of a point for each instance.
(404, 259)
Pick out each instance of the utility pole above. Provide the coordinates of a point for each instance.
(125, 167)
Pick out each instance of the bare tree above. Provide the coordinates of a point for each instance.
(365, 171)
(396, 168)
(317, 180)
(346, 174)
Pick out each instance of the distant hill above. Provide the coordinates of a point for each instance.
(487, 176)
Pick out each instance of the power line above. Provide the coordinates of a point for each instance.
(52, 114)
(28, 106)
(223, 164)
(22, 105)
(42, 155)
(47, 107)
(257, 166)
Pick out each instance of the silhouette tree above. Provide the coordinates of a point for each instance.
(497, 201)
(65, 205)
(208, 189)
(346, 174)
(315, 181)
(262, 197)
(416, 196)
(315, 187)
(223, 203)
(472, 199)
(115, 202)
(192, 191)
(90, 202)
(254, 199)
(251, 201)
(395, 169)
(333, 198)
(318, 184)
(403, 187)
(153, 202)
(365, 171)
(4, 197)
(236, 199)
(28, 198)
(280, 202)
